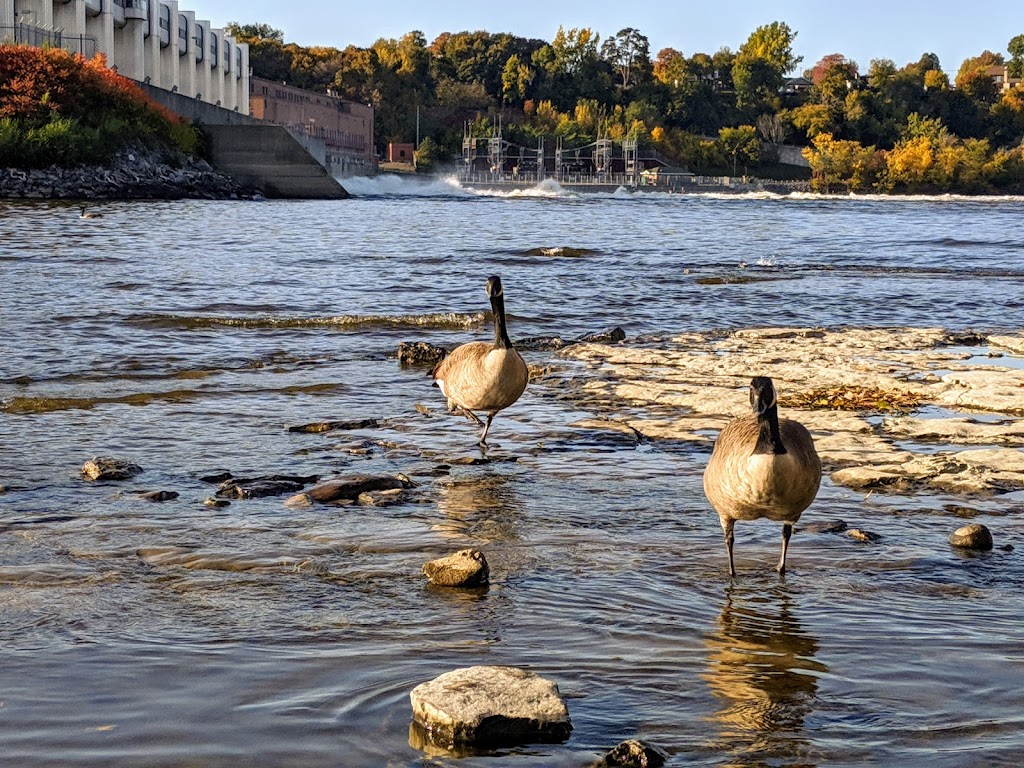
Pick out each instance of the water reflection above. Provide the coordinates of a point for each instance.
(485, 508)
(762, 667)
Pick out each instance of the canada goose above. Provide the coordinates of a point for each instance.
(87, 215)
(762, 467)
(484, 377)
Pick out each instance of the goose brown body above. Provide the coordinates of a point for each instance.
(762, 467)
(484, 377)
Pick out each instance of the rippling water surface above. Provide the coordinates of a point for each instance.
(187, 337)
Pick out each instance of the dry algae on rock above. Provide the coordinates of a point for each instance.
(898, 409)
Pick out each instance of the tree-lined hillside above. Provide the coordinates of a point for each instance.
(886, 127)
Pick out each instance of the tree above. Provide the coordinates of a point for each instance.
(515, 80)
(669, 67)
(740, 144)
(762, 62)
(627, 52)
(428, 155)
(975, 80)
(246, 33)
(1016, 50)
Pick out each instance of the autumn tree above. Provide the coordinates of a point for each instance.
(974, 78)
(740, 144)
(761, 64)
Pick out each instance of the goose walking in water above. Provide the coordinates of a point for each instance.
(762, 466)
(479, 376)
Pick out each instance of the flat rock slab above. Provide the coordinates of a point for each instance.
(490, 706)
(466, 568)
(109, 468)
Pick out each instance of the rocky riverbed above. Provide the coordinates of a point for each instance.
(131, 175)
(896, 410)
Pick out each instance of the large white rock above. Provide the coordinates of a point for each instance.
(488, 706)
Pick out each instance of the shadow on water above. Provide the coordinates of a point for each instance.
(762, 668)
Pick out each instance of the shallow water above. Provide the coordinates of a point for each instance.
(176, 634)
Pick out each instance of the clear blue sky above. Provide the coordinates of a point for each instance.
(865, 30)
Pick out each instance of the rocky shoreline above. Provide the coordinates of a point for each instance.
(132, 175)
(963, 435)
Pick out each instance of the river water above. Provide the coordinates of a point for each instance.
(187, 336)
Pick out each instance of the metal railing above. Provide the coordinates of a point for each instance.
(37, 37)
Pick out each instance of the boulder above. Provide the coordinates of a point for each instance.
(216, 503)
(824, 526)
(867, 537)
(633, 754)
(466, 568)
(490, 706)
(387, 498)
(109, 468)
(157, 496)
(266, 485)
(973, 536)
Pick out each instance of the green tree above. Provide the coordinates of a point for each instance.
(1016, 50)
(740, 144)
(628, 53)
(515, 80)
(428, 156)
(249, 32)
(761, 64)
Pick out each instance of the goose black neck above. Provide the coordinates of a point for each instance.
(769, 438)
(501, 339)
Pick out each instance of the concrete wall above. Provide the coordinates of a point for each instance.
(269, 157)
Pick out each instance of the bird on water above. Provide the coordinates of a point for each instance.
(762, 466)
(482, 376)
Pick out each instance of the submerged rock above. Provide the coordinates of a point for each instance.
(824, 526)
(613, 336)
(216, 503)
(490, 706)
(867, 537)
(388, 498)
(420, 353)
(109, 468)
(330, 426)
(466, 568)
(633, 754)
(973, 536)
(156, 496)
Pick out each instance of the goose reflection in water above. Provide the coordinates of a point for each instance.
(762, 666)
(485, 508)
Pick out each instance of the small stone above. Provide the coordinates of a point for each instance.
(824, 526)
(420, 353)
(633, 754)
(299, 500)
(421, 408)
(466, 568)
(216, 503)
(216, 477)
(3, 488)
(260, 487)
(973, 536)
(614, 336)
(108, 468)
(861, 535)
(490, 706)
(156, 496)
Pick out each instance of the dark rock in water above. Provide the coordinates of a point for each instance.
(490, 706)
(420, 353)
(216, 503)
(973, 536)
(217, 477)
(330, 426)
(470, 461)
(351, 487)
(633, 754)
(159, 495)
(268, 485)
(824, 526)
(865, 536)
(540, 343)
(965, 339)
(466, 568)
(108, 468)
(3, 488)
(614, 336)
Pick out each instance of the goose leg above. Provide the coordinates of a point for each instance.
(787, 531)
(727, 526)
(487, 426)
(471, 416)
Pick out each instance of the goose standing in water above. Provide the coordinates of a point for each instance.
(762, 467)
(484, 377)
